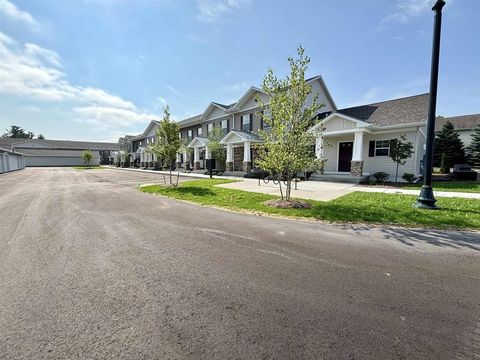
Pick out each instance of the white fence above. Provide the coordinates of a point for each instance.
(11, 161)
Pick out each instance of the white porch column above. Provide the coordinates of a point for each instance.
(319, 147)
(358, 146)
(196, 158)
(229, 153)
(357, 156)
(246, 152)
(178, 158)
(185, 158)
(208, 155)
(247, 160)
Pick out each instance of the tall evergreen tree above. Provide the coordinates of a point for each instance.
(473, 150)
(448, 141)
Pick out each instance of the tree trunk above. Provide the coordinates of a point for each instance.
(170, 168)
(280, 185)
(396, 174)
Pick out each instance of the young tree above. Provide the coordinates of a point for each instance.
(448, 141)
(87, 156)
(167, 142)
(40, 137)
(473, 149)
(400, 150)
(287, 147)
(17, 132)
(217, 150)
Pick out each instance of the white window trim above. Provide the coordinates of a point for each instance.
(382, 148)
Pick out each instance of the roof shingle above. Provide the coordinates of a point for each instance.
(411, 109)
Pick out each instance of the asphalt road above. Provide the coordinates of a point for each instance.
(91, 268)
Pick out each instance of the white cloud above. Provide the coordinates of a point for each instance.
(406, 10)
(110, 117)
(10, 11)
(211, 11)
(33, 73)
(35, 51)
(173, 90)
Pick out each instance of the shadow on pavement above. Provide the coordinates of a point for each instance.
(441, 238)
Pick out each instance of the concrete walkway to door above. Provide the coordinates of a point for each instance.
(313, 190)
(326, 190)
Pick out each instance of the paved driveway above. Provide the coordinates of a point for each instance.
(90, 268)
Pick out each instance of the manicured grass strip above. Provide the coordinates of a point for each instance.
(470, 187)
(354, 207)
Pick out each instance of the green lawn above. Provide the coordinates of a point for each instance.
(353, 207)
(93, 167)
(471, 187)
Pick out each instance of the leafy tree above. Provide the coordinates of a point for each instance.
(217, 150)
(400, 150)
(17, 132)
(448, 141)
(167, 142)
(87, 156)
(473, 149)
(287, 147)
(40, 137)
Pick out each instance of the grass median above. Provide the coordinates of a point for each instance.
(93, 167)
(359, 207)
(467, 187)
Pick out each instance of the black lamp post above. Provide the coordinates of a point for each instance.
(427, 200)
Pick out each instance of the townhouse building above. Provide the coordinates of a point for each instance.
(354, 141)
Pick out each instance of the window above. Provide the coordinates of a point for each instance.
(246, 123)
(199, 131)
(225, 126)
(209, 128)
(267, 113)
(190, 133)
(382, 147)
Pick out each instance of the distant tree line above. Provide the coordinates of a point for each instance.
(19, 133)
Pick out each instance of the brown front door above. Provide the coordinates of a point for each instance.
(345, 151)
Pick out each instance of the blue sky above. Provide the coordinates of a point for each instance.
(95, 70)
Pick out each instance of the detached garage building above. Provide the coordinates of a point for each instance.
(59, 152)
(11, 161)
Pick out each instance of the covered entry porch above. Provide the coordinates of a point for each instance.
(240, 150)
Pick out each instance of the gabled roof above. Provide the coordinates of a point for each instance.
(198, 141)
(411, 109)
(243, 135)
(56, 152)
(60, 144)
(245, 97)
(463, 122)
(190, 121)
(210, 107)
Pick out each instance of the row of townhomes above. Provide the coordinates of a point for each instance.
(355, 140)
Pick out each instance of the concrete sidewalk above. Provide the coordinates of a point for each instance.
(313, 190)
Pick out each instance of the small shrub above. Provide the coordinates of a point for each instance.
(380, 177)
(408, 177)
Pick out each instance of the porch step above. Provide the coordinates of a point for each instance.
(338, 178)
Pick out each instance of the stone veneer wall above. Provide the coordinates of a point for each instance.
(356, 168)
(238, 158)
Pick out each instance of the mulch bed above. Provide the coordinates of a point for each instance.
(291, 204)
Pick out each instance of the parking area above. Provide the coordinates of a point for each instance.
(92, 268)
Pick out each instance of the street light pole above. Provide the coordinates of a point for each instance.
(426, 199)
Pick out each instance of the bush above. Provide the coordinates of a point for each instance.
(380, 177)
(257, 174)
(408, 177)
